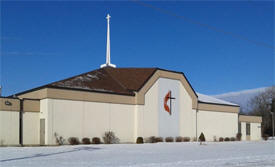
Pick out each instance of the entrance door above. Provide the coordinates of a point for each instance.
(42, 131)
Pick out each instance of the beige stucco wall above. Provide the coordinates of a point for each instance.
(187, 115)
(31, 128)
(44, 114)
(80, 119)
(243, 130)
(219, 124)
(9, 127)
(255, 127)
(147, 114)
(153, 120)
(169, 124)
(255, 131)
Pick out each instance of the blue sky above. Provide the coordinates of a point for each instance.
(42, 42)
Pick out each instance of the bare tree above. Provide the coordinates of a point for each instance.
(261, 105)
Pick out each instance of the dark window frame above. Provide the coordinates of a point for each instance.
(239, 127)
(248, 129)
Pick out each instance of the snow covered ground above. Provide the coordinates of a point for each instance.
(241, 154)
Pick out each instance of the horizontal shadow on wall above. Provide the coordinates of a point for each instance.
(50, 154)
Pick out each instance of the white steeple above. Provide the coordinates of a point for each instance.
(108, 49)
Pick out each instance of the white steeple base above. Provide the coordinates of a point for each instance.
(108, 65)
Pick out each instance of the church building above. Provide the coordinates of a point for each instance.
(131, 102)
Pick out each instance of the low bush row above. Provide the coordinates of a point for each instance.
(75, 141)
(265, 136)
(109, 137)
(201, 138)
(221, 139)
(237, 138)
(154, 139)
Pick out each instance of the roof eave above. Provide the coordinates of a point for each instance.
(218, 104)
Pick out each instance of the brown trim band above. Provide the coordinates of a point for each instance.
(219, 104)
(215, 107)
(9, 104)
(89, 96)
(13, 104)
(250, 119)
(31, 106)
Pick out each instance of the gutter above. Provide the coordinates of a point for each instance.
(21, 121)
(197, 110)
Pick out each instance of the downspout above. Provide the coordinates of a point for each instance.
(21, 122)
(197, 121)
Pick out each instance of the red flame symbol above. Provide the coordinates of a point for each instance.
(166, 98)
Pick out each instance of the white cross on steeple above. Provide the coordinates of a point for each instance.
(108, 49)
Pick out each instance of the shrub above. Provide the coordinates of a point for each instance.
(201, 138)
(221, 139)
(73, 141)
(265, 136)
(179, 139)
(86, 140)
(140, 140)
(110, 138)
(186, 139)
(169, 139)
(151, 139)
(226, 139)
(96, 140)
(215, 139)
(194, 139)
(59, 139)
(232, 139)
(239, 137)
(159, 139)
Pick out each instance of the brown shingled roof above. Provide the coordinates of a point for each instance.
(109, 80)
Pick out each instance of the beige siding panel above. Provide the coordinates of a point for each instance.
(96, 119)
(147, 116)
(82, 119)
(45, 113)
(187, 114)
(219, 124)
(122, 121)
(255, 131)
(31, 127)
(9, 128)
(243, 130)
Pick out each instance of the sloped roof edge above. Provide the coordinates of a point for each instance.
(98, 91)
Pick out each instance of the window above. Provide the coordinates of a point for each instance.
(240, 127)
(248, 129)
